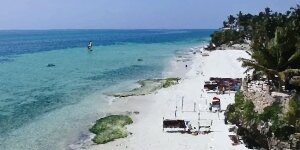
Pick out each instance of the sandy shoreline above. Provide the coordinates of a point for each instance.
(147, 128)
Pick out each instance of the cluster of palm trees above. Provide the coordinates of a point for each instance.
(275, 42)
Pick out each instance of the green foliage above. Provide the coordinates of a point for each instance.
(217, 38)
(270, 114)
(241, 111)
(170, 81)
(248, 112)
(275, 40)
(292, 117)
(239, 99)
(224, 37)
(231, 114)
(275, 51)
(295, 82)
(297, 125)
(109, 128)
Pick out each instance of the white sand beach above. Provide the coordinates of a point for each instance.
(147, 129)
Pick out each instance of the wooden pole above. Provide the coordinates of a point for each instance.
(182, 103)
(163, 124)
(198, 121)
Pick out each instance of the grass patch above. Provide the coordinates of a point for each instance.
(110, 128)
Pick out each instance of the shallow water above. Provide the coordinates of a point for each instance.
(49, 107)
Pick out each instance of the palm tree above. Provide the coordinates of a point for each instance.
(275, 41)
(275, 57)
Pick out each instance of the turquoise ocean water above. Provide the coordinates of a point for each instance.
(50, 107)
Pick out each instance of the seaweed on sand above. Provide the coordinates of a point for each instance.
(110, 128)
(148, 86)
(170, 81)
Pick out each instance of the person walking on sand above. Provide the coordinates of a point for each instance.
(223, 89)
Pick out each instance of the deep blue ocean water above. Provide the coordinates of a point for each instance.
(14, 42)
(38, 102)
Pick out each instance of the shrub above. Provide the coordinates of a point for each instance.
(270, 114)
(225, 37)
(241, 110)
(248, 111)
(292, 117)
(231, 114)
(239, 99)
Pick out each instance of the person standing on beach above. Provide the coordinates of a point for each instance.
(223, 89)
